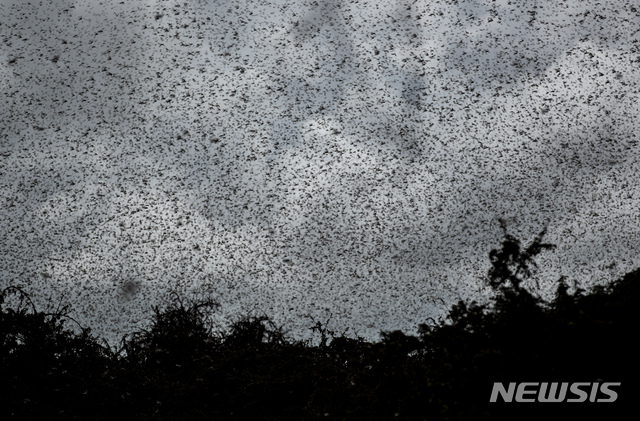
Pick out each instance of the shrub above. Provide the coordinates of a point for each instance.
(182, 368)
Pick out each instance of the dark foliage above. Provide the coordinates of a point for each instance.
(46, 370)
(182, 369)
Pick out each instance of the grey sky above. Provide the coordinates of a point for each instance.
(301, 158)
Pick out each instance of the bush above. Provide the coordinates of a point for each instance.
(181, 368)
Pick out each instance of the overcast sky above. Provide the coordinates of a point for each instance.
(312, 157)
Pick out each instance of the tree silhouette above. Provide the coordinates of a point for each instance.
(512, 265)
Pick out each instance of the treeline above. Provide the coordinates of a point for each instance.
(182, 369)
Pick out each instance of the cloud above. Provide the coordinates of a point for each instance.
(351, 158)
